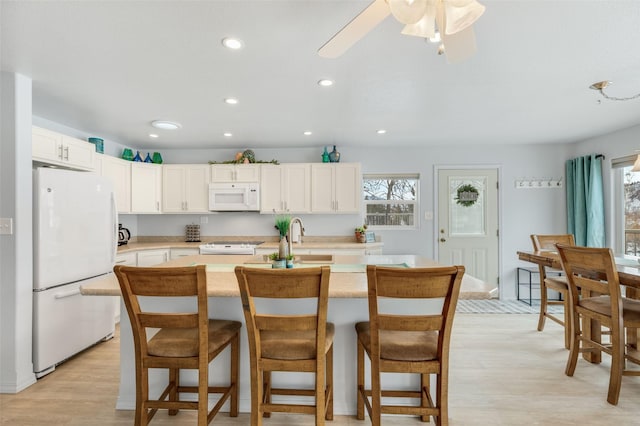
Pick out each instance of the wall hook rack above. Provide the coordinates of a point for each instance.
(538, 183)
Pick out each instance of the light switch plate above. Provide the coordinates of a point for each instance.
(6, 225)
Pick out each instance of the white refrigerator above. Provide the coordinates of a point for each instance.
(75, 235)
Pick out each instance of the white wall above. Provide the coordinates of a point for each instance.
(16, 270)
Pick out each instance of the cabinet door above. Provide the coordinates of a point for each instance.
(223, 172)
(297, 188)
(271, 196)
(119, 172)
(177, 253)
(146, 187)
(348, 188)
(197, 188)
(247, 173)
(173, 188)
(127, 259)
(152, 257)
(322, 185)
(78, 153)
(46, 145)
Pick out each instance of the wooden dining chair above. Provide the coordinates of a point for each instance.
(557, 283)
(595, 295)
(407, 342)
(301, 342)
(186, 339)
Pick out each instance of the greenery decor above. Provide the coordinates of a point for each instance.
(361, 229)
(360, 233)
(282, 224)
(274, 256)
(467, 195)
(245, 157)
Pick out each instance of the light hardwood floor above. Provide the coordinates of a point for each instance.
(503, 372)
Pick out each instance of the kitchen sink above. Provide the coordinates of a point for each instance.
(320, 259)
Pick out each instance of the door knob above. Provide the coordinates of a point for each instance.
(442, 240)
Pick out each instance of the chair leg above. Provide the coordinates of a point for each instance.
(203, 396)
(329, 384)
(574, 346)
(442, 398)
(256, 396)
(266, 396)
(321, 387)
(174, 382)
(424, 388)
(234, 379)
(543, 305)
(376, 394)
(567, 322)
(360, 382)
(142, 395)
(617, 365)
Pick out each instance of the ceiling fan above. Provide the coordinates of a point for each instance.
(453, 20)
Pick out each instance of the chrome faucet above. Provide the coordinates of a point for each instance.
(295, 219)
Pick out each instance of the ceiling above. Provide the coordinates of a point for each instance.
(111, 67)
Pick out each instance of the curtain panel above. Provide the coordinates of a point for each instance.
(585, 200)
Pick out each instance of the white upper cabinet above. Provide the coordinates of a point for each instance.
(185, 188)
(54, 148)
(336, 188)
(119, 172)
(285, 188)
(146, 188)
(235, 173)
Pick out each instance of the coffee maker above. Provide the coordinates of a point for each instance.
(123, 235)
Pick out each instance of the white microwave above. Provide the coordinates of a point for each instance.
(234, 197)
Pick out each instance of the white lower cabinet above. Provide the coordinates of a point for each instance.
(152, 257)
(127, 259)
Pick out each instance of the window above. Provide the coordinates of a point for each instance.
(627, 203)
(391, 201)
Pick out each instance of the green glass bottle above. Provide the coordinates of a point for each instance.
(325, 156)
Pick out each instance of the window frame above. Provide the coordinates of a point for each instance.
(415, 203)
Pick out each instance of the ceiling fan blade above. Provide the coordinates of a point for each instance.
(459, 46)
(355, 30)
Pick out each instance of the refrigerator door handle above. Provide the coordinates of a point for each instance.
(67, 294)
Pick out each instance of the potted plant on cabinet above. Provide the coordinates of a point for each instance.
(276, 261)
(361, 233)
(290, 258)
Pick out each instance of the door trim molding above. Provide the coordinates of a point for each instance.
(436, 184)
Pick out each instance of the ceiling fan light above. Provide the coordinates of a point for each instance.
(408, 11)
(425, 28)
(460, 14)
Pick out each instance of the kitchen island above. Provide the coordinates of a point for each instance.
(347, 305)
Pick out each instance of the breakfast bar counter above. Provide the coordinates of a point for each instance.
(347, 305)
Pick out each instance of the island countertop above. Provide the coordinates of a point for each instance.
(348, 277)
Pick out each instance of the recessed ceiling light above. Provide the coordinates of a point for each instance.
(165, 125)
(232, 43)
(307, 133)
(381, 131)
(153, 135)
(325, 83)
(231, 101)
(227, 134)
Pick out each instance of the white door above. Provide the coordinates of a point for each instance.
(468, 221)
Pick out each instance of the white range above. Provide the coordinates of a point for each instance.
(230, 247)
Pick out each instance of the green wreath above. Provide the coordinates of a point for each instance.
(467, 195)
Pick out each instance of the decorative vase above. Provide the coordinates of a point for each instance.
(361, 237)
(127, 154)
(137, 157)
(278, 264)
(157, 158)
(334, 156)
(147, 159)
(99, 143)
(289, 263)
(283, 248)
(325, 156)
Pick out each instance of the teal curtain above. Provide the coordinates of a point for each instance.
(585, 200)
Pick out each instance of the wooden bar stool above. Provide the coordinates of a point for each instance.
(185, 340)
(407, 342)
(295, 343)
(557, 283)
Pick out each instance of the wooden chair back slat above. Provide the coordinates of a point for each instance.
(410, 322)
(590, 269)
(413, 283)
(168, 320)
(289, 323)
(548, 242)
(286, 284)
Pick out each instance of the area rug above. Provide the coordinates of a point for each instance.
(495, 306)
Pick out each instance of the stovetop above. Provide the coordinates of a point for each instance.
(233, 243)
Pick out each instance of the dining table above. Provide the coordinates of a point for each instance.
(628, 268)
